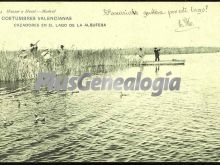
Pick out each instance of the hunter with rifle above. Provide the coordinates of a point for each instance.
(34, 48)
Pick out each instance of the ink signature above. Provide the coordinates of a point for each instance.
(185, 24)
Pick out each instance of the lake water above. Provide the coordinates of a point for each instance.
(179, 125)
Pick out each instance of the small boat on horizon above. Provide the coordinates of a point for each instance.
(162, 62)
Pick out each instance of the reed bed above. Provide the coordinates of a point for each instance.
(13, 68)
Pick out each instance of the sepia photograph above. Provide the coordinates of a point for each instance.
(109, 81)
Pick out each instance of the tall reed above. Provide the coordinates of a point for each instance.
(14, 68)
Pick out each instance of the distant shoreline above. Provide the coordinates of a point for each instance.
(145, 50)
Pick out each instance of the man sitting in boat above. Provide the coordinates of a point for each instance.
(23, 54)
(46, 55)
(141, 55)
(157, 54)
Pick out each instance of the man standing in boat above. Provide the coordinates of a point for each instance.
(63, 57)
(157, 54)
(141, 55)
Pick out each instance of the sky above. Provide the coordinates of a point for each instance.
(121, 31)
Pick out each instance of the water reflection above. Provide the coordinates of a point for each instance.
(141, 68)
(99, 126)
(96, 70)
(157, 69)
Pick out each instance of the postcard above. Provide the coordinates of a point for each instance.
(109, 81)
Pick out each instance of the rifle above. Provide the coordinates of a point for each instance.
(36, 42)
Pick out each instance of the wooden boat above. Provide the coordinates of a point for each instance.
(162, 62)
